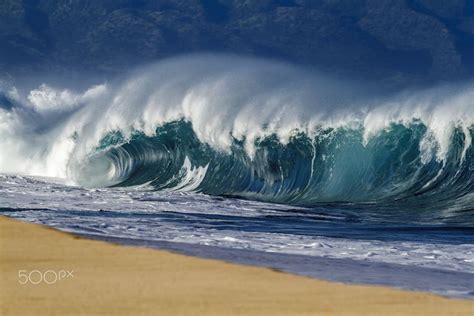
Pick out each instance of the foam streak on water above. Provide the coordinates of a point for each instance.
(141, 216)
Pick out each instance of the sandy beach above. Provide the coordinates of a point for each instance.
(93, 277)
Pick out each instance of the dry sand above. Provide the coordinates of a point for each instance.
(110, 279)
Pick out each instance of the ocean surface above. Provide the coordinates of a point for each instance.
(254, 162)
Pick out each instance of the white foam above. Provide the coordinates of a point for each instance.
(136, 213)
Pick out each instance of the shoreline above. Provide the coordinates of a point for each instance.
(446, 283)
(115, 279)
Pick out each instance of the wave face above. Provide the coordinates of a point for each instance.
(261, 130)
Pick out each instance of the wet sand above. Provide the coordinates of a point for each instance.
(109, 279)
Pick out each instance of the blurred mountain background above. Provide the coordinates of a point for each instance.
(400, 42)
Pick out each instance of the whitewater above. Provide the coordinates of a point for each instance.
(253, 161)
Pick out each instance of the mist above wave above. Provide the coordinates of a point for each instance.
(226, 100)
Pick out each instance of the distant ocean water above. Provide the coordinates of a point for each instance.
(298, 169)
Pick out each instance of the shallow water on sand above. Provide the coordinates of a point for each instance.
(334, 242)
